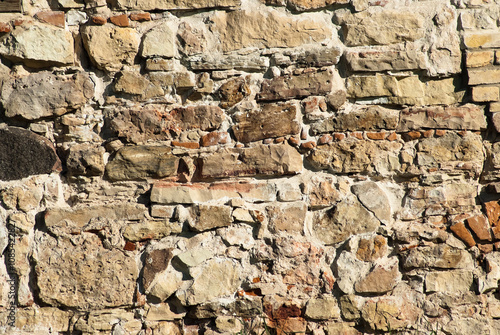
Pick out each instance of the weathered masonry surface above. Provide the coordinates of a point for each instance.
(250, 166)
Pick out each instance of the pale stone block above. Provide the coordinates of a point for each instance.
(485, 93)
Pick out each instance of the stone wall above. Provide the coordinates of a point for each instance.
(250, 167)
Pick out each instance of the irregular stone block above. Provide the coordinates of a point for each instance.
(131, 83)
(322, 308)
(303, 5)
(321, 190)
(287, 217)
(371, 249)
(440, 256)
(374, 199)
(46, 318)
(151, 5)
(466, 117)
(372, 86)
(480, 227)
(381, 279)
(53, 47)
(309, 57)
(86, 160)
(389, 313)
(151, 47)
(210, 216)
(204, 117)
(457, 281)
(348, 218)
(245, 29)
(44, 94)
(138, 162)
(381, 27)
(353, 155)
(23, 154)
(233, 91)
(359, 119)
(110, 47)
(259, 160)
(229, 62)
(463, 234)
(150, 230)
(289, 87)
(84, 276)
(175, 193)
(216, 278)
(398, 57)
(270, 120)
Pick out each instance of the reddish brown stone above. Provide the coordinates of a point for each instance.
(99, 20)
(429, 133)
(462, 233)
(339, 136)
(308, 145)
(371, 249)
(496, 232)
(18, 22)
(357, 135)
(376, 136)
(327, 138)
(493, 212)
(129, 246)
(155, 261)
(203, 117)
(412, 135)
(214, 138)
(479, 226)
(141, 17)
(233, 91)
(5, 27)
(188, 145)
(440, 132)
(485, 248)
(279, 140)
(294, 141)
(497, 245)
(54, 18)
(392, 137)
(120, 20)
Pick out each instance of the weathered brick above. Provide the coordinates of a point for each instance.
(484, 76)
(485, 93)
(479, 58)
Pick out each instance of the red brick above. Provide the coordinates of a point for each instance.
(99, 20)
(392, 137)
(141, 17)
(293, 141)
(120, 20)
(188, 145)
(440, 132)
(376, 136)
(412, 135)
(339, 136)
(429, 133)
(357, 135)
(480, 227)
(5, 27)
(327, 138)
(279, 140)
(308, 145)
(493, 212)
(214, 138)
(462, 233)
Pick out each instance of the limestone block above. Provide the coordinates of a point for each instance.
(151, 5)
(137, 162)
(375, 199)
(159, 42)
(449, 282)
(84, 276)
(321, 190)
(350, 269)
(44, 94)
(268, 121)
(131, 83)
(322, 308)
(54, 46)
(246, 29)
(204, 117)
(150, 230)
(109, 47)
(35, 319)
(482, 39)
(210, 216)
(389, 313)
(287, 217)
(381, 279)
(440, 256)
(302, 5)
(484, 76)
(479, 58)
(23, 153)
(464, 326)
(249, 62)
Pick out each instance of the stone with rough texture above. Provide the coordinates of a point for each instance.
(258, 160)
(371, 249)
(322, 308)
(150, 5)
(84, 276)
(322, 191)
(440, 256)
(216, 278)
(268, 121)
(388, 313)
(304, 5)
(210, 217)
(131, 83)
(381, 279)
(483, 76)
(84, 159)
(204, 117)
(44, 94)
(245, 29)
(288, 87)
(150, 46)
(449, 282)
(138, 162)
(110, 47)
(374, 199)
(54, 46)
(348, 218)
(233, 91)
(23, 153)
(150, 230)
(287, 217)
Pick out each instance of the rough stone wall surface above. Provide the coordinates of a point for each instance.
(250, 167)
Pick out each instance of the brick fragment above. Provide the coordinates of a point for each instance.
(485, 248)
(339, 136)
(376, 136)
(493, 212)
(141, 17)
(479, 226)
(188, 145)
(440, 132)
(308, 145)
(55, 18)
(326, 138)
(462, 233)
(5, 27)
(99, 20)
(120, 20)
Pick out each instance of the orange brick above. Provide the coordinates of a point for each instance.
(462, 233)
(55, 18)
(308, 145)
(480, 227)
(392, 137)
(429, 133)
(120, 20)
(99, 20)
(376, 136)
(327, 138)
(141, 17)
(339, 136)
(493, 212)
(188, 145)
(440, 132)
(5, 27)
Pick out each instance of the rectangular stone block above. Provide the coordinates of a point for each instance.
(175, 4)
(479, 58)
(449, 281)
(484, 76)
(229, 62)
(482, 39)
(385, 58)
(485, 93)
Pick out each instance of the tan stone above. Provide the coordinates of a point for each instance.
(441, 256)
(372, 86)
(150, 230)
(233, 91)
(32, 319)
(449, 281)
(245, 29)
(248, 63)
(279, 159)
(210, 216)
(479, 58)
(287, 217)
(268, 121)
(389, 313)
(374, 199)
(138, 162)
(381, 27)
(484, 76)
(162, 312)
(110, 47)
(371, 249)
(322, 308)
(176, 4)
(202, 117)
(304, 5)
(131, 83)
(482, 39)
(151, 45)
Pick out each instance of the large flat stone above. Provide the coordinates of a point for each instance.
(440, 256)
(176, 4)
(259, 160)
(270, 120)
(305, 5)
(150, 42)
(138, 162)
(204, 117)
(397, 57)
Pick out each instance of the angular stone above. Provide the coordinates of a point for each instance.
(359, 119)
(166, 284)
(269, 121)
(44, 94)
(462, 233)
(233, 91)
(131, 83)
(485, 93)
(138, 162)
(466, 117)
(492, 209)
(398, 57)
(275, 160)
(482, 39)
(229, 62)
(388, 313)
(456, 281)
(216, 278)
(381, 27)
(110, 47)
(210, 217)
(372, 86)
(323, 308)
(86, 160)
(120, 20)
(163, 312)
(195, 257)
(84, 276)
(371, 249)
(192, 40)
(55, 18)
(54, 46)
(310, 57)
(23, 153)
(303, 5)
(479, 58)
(381, 279)
(151, 5)
(204, 117)
(150, 230)
(287, 217)
(174, 193)
(246, 29)
(215, 138)
(374, 199)
(441, 256)
(341, 328)
(321, 191)
(302, 85)
(155, 262)
(36, 320)
(151, 47)
(353, 155)
(480, 227)
(484, 76)
(348, 218)
(465, 326)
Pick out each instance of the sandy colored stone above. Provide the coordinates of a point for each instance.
(150, 230)
(131, 83)
(441, 256)
(245, 29)
(483, 76)
(204, 117)
(109, 47)
(159, 42)
(374, 199)
(322, 308)
(85, 159)
(381, 279)
(54, 46)
(233, 91)
(371, 249)
(388, 313)
(151, 5)
(449, 281)
(268, 121)
(249, 62)
(479, 58)
(485, 93)
(482, 39)
(36, 319)
(210, 216)
(287, 217)
(304, 5)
